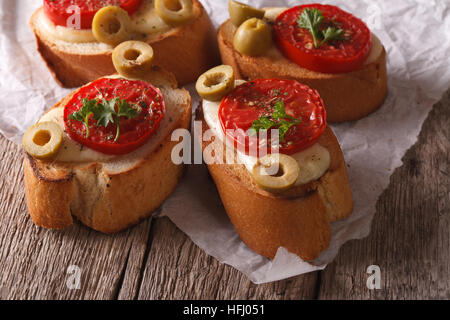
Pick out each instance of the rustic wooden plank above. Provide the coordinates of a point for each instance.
(177, 269)
(34, 261)
(129, 287)
(410, 239)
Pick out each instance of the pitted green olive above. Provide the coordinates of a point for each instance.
(253, 37)
(43, 140)
(240, 12)
(214, 84)
(133, 59)
(111, 25)
(276, 172)
(174, 12)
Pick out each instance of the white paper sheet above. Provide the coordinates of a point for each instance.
(416, 34)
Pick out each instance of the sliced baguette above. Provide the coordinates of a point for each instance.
(298, 220)
(186, 51)
(347, 96)
(112, 195)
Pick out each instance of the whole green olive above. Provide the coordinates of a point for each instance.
(253, 37)
(240, 12)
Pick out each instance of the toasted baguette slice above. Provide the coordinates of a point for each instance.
(298, 220)
(347, 96)
(112, 195)
(186, 51)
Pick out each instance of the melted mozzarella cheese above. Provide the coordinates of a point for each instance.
(144, 21)
(375, 52)
(63, 33)
(313, 162)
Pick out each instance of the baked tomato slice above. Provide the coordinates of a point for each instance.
(296, 110)
(345, 52)
(148, 110)
(59, 11)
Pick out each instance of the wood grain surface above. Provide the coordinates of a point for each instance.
(409, 241)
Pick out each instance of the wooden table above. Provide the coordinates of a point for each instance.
(409, 241)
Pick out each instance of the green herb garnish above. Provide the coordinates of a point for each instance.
(312, 19)
(104, 112)
(279, 119)
(331, 33)
(82, 115)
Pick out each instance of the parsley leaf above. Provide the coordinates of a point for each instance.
(279, 111)
(284, 123)
(82, 115)
(262, 123)
(104, 113)
(285, 126)
(312, 19)
(331, 34)
(123, 110)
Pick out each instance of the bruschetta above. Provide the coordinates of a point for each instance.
(321, 46)
(103, 153)
(76, 38)
(252, 127)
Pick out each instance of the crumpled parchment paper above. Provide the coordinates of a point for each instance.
(416, 35)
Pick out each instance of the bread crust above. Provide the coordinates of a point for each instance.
(48, 198)
(347, 96)
(186, 51)
(104, 200)
(298, 220)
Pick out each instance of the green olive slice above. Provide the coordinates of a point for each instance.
(276, 172)
(133, 59)
(253, 37)
(272, 13)
(240, 12)
(174, 12)
(43, 140)
(215, 83)
(111, 25)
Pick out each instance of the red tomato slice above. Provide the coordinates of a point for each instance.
(331, 57)
(133, 132)
(251, 100)
(56, 10)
